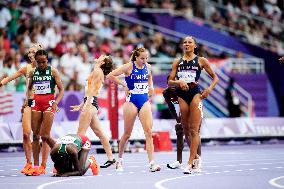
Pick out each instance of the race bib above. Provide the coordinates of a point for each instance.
(188, 76)
(66, 140)
(42, 87)
(140, 88)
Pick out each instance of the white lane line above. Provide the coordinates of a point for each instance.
(279, 167)
(14, 169)
(14, 175)
(264, 168)
(42, 186)
(158, 184)
(131, 172)
(1, 170)
(239, 170)
(274, 183)
(2, 176)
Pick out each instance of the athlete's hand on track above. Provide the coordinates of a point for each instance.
(75, 108)
(281, 60)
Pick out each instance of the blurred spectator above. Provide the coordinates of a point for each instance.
(233, 101)
(9, 69)
(5, 16)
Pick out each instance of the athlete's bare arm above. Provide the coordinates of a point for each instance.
(204, 63)
(59, 86)
(124, 69)
(20, 72)
(79, 161)
(178, 83)
(150, 80)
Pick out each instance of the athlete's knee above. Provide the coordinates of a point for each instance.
(26, 136)
(148, 133)
(127, 135)
(45, 138)
(193, 132)
(36, 137)
(179, 129)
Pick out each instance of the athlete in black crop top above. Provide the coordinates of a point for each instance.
(184, 75)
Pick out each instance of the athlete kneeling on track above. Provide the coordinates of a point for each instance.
(69, 154)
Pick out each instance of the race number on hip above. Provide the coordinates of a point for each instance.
(42, 87)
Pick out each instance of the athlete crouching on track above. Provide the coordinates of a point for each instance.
(89, 107)
(70, 153)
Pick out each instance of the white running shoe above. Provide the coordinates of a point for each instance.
(118, 165)
(188, 170)
(197, 165)
(174, 165)
(154, 167)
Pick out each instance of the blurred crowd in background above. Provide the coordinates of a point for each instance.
(72, 50)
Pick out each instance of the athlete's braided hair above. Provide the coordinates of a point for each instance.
(41, 52)
(107, 67)
(136, 52)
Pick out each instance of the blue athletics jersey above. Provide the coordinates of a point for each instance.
(137, 83)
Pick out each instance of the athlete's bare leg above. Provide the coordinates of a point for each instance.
(146, 119)
(85, 119)
(45, 135)
(129, 116)
(26, 124)
(194, 125)
(96, 127)
(36, 124)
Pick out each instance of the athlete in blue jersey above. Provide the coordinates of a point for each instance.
(185, 75)
(138, 86)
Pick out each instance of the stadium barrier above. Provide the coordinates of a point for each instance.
(212, 129)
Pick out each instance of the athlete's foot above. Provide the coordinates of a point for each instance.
(42, 169)
(34, 171)
(108, 163)
(94, 165)
(174, 165)
(118, 165)
(154, 167)
(188, 170)
(26, 168)
(197, 165)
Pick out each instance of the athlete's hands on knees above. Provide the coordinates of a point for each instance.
(205, 93)
(76, 108)
(183, 85)
(281, 60)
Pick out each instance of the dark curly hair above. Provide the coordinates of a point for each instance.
(108, 66)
